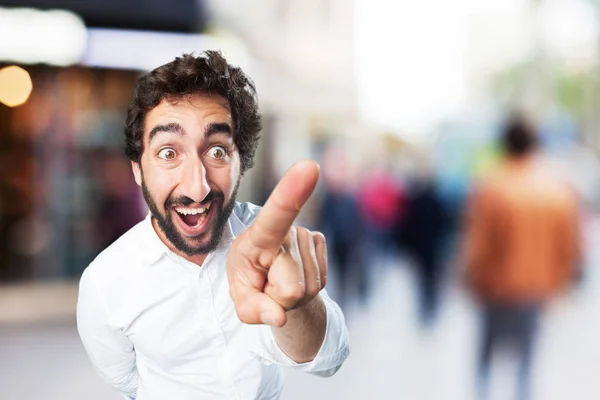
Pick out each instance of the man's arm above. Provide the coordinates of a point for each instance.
(276, 273)
(303, 334)
(110, 351)
(294, 347)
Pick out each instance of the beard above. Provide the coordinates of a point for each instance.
(192, 246)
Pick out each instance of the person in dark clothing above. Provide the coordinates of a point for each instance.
(339, 217)
(421, 234)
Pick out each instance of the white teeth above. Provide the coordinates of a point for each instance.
(192, 211)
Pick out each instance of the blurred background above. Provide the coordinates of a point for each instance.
(402, 103)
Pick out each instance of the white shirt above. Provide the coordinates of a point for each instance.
(157, 326)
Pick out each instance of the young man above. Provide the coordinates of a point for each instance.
(207, 298)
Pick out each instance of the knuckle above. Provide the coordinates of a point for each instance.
(293, 292)
(319, 238)
(314, 288)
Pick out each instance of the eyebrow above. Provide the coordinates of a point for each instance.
(218, 127)
(174, 127)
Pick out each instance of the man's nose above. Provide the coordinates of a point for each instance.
(194, 183)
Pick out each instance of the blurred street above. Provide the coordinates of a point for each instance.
(391, 357)
(459, 151)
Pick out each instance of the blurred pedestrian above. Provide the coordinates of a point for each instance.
(381, 200)
(341, 223)
(521, 248)
(420, 234)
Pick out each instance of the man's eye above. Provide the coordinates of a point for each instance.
(217, 152)
(167, 154)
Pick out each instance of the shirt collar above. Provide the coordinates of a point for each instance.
(153, 247)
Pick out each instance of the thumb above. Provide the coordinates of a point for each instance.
(258, 308)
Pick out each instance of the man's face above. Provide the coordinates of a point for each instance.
(190, 171)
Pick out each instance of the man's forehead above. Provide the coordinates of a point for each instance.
(195, 102)
(207, 108)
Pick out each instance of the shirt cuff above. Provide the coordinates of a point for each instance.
(334, 350)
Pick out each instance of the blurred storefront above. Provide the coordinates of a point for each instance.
(66, 190)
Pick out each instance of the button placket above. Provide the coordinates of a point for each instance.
(224, 361)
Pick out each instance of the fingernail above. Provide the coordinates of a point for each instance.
(268, 318)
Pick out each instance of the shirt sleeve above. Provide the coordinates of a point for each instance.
(109, 349)
(332, 354)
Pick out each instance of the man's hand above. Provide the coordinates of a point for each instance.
(274, 267)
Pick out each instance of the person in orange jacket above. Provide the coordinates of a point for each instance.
(521, 247)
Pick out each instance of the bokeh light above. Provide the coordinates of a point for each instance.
(15, 86)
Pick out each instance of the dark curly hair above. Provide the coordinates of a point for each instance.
(187, 75)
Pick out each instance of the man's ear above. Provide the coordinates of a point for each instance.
(137, 172)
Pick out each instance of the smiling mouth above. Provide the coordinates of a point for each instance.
(193, 216)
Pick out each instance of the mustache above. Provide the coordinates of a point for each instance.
(186, 201)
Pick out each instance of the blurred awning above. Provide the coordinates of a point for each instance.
(145, 50)
(156, 15)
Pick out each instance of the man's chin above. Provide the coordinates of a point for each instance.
(202, 243)
(199, 246)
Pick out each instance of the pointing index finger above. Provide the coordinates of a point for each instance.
(281, 209)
